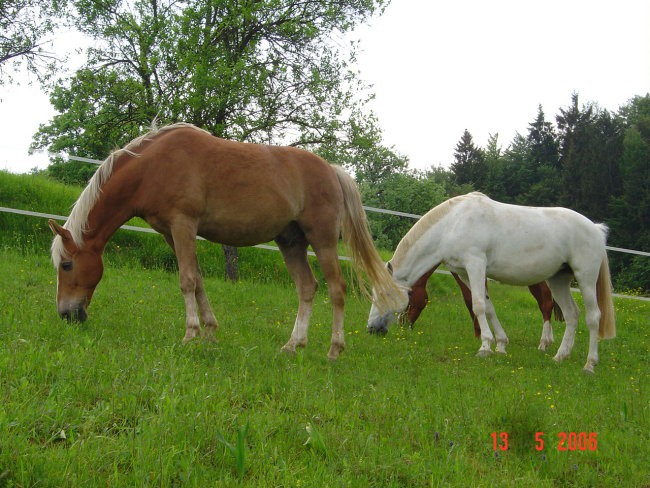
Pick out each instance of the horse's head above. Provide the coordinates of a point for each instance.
(79, 269)
(380, 319)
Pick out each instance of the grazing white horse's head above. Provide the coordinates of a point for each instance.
(380, 319)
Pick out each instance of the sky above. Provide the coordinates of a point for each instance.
(438, 68)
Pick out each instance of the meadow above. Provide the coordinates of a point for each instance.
(120, 401)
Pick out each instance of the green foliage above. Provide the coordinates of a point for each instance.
(413, 192)
(252, 71)
(23, 27)
(119, 401)
(469, 165)
(238, 449)
(595, 163)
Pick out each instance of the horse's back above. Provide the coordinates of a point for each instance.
(238, 193)
(523, 245)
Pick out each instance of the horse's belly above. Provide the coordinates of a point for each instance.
(241, 233)
(522, 270)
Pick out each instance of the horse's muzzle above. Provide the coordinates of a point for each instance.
(380, 325)
(77, 314)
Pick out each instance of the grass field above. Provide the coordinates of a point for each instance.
(119, 401)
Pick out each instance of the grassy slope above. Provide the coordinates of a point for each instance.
(118, 401)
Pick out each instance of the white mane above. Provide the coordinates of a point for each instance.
(425, 223)
(77, 222)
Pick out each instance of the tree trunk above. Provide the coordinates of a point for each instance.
(232, 268)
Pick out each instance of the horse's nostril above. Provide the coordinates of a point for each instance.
(74, 315)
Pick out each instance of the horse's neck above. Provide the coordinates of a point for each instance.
(419, 258)
(113, 208)
(414, 269)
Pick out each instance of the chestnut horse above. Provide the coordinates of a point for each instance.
(185, 182)
(478, 238)
(418, 299)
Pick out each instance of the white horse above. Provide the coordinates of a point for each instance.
(478, 238)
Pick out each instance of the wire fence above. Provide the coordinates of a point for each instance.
(273, 248)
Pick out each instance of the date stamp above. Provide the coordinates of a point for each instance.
(565, 441)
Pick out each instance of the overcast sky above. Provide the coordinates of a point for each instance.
(438, 68)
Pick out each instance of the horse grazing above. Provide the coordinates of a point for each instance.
(477, 237)
(418, 299)
(185, 182)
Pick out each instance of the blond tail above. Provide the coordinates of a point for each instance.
(356, 234)
(607, 326)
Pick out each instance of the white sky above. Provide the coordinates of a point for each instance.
(438, 68)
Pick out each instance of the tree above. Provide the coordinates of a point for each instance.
(261, 71)
(591, 145)
(251, 70)
(408, 191)
(469, 163)
(543, 188)
(24, 24)
(544, 146)
(630, 219)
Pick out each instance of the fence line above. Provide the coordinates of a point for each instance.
(370, 209)
(149, 230)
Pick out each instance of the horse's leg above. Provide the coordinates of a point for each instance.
(476, 276)
(544, 298)
(205, 309)
(467, 298)
(560, 287)
(295, 257)
(183, 235)
(592, 317)
(499, 333)
(329, 263)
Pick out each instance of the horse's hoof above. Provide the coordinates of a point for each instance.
(560, 357)
(483, 353)
(589, 368)
(188, 338)
(541, 347)
(335, 350)
(289, 349)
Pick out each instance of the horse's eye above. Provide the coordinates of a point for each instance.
(66, 266)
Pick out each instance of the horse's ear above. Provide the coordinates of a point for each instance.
(58, 230)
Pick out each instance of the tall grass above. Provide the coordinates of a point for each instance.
(119, 401)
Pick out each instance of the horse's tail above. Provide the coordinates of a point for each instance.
(356, 234)
(607, 326)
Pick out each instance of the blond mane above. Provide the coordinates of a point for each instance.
(424, 224)
(77, 222)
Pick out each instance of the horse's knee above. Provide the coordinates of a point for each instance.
(307, 291)
(337, 292)
(478, 306)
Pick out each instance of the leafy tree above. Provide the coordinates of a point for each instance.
(261, 71)
(24, 25)
(409, 191)
(544, 146)
(469, 163)
(250, 70)
(590, 149)
(630, 219)
(362, 151)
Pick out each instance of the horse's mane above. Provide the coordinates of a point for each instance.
(424, 224)
(77, 222)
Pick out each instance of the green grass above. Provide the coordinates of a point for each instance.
(119, 401)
